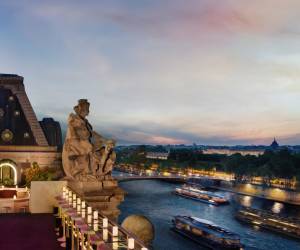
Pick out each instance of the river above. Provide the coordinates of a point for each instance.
(154, 200)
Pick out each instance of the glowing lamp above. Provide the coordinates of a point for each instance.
(105, 222)
(130, 243)
(89, 219)
(96, 225)
(89, 210)
(115, 231)
(105, 234)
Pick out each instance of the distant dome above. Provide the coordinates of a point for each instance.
(274, 144)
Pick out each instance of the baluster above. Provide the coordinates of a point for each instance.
(115, 231)
(105, 234)
(89, 216)
(83, 209)
(64, 192)
(105, 223)
(70, 198)
(74, 201)
(78, 205)
(95, 221)
(105, 230)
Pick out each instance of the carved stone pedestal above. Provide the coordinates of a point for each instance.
(105, 195)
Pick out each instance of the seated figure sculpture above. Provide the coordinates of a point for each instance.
(103, 160)
(86, 154)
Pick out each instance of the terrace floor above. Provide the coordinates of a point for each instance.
(28, 232)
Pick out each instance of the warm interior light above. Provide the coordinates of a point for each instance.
(14, 169)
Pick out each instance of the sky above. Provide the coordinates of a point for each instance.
(217, 72)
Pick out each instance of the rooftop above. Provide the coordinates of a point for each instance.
(11, 78)
(8, 75)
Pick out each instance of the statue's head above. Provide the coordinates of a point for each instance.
(82, 108)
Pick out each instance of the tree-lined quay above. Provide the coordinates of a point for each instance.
(279, 169)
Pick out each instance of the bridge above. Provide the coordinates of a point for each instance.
(175, 178)
(203, 180)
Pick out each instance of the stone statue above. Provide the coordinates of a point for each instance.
(86, 154)
(88, 160)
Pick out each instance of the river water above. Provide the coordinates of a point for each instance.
(154, 200)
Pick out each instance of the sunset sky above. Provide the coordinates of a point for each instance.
(161, 71)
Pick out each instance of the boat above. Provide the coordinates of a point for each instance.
(285, 225)
(206, 233)
(198, 194)
(193, 187)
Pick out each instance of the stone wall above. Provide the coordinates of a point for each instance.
(42, 195)
(24, 156)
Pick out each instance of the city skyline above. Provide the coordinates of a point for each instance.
(205, 72)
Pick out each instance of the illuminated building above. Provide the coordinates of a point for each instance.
(228, 151)
(157, 155)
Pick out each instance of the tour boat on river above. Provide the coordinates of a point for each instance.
(206, 233)
(195, 193)
(274, 222)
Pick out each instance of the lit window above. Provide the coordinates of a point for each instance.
(26, 135)
(17, 113)
(11, 98)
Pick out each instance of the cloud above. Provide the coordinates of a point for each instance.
(172, 17)
(220, 72)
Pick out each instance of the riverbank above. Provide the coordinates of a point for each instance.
(297, 203)
(268, 193)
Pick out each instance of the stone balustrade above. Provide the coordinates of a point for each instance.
(86, 228)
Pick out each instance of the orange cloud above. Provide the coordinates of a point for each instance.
(166, 140)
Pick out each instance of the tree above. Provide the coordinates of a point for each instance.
(35, 173)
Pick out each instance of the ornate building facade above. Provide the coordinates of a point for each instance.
(23, 139)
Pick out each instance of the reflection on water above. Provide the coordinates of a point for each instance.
(246, 201)
(277, 207)
(155, 200)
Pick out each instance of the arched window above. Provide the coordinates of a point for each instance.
(8, 170)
